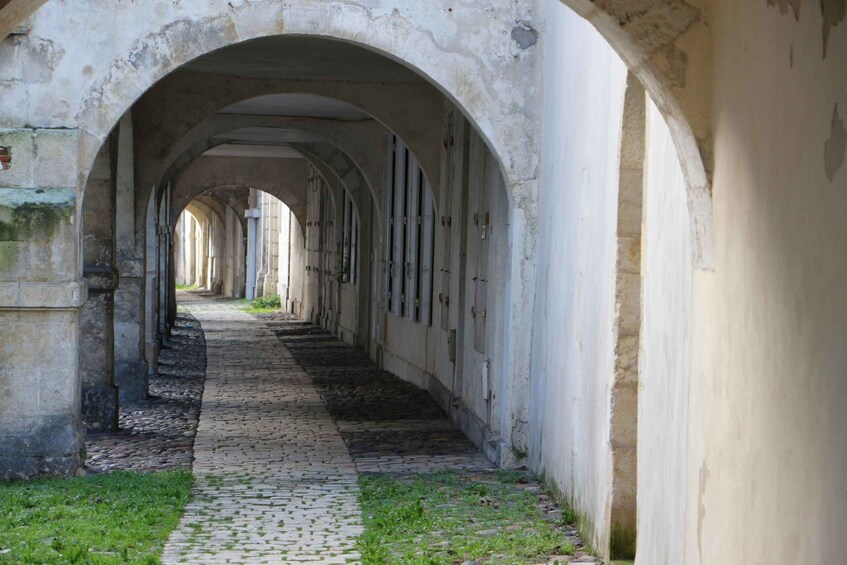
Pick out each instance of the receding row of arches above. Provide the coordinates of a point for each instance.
(394, 210)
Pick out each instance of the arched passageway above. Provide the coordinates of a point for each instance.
(575, 224)
(413, 230)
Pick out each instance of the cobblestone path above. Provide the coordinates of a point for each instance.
(157, 434)
(274, 480)
(389, 426)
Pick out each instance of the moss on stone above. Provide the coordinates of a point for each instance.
(33, 214)
(622, 542)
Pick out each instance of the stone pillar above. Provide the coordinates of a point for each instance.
(150, 298)
(96, 319)
(283, 253)
(252, 234)
(130, 366)
(40, 297)
(218, 247)
(261, 242)
(271, 247)
(623, 432)
(179, 250)
(191, 251)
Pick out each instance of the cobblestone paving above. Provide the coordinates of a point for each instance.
(389, 426)
(274, 480)
(157, 434)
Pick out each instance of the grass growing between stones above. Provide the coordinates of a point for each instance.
(448, 518)
(261, 305)
(121, 517)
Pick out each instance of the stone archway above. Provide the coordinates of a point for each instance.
(667, 46)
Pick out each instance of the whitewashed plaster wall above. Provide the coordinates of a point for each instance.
(664, 359)
(767, 471)
(572, 355)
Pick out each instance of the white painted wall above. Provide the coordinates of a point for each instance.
(664, 359)
(298, 269)
(572, 355)
(767, 470)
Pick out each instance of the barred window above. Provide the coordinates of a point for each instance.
(350, 241)
(409, 239)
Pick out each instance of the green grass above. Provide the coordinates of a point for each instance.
(261, 305)
(187, 287)
(119, 517)
(447, 518)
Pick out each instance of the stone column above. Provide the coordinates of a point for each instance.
(130, 366)
(623, 403)
(272, 248)
(252, 231)
(40, 297)
(283, 253)
(179, 250)
(150, 298)
(261, 242)
(96, 319)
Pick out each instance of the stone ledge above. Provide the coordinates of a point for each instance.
(14, 295)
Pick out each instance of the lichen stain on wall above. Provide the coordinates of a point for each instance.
(833, 14)
(785, 4)
(835, 146)
(31, 222)
(34, 215)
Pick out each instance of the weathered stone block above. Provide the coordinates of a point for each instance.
(626, 359)
(54, 390)
(624, 417)
(628, 303)
(629, 254)
(131, 380)
(101, 280)
(22, 149)
(37, 236)
(629, 202)
(43, 158)
(100, 408)
(56, 152)
(39, 445)
(52, 295)
(14, 108)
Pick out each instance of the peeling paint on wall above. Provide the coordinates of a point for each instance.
(833, 14)
(835, 146)
(652, 25)
(785, 4)
(524, 35)
(673, 63)
(5, 159)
